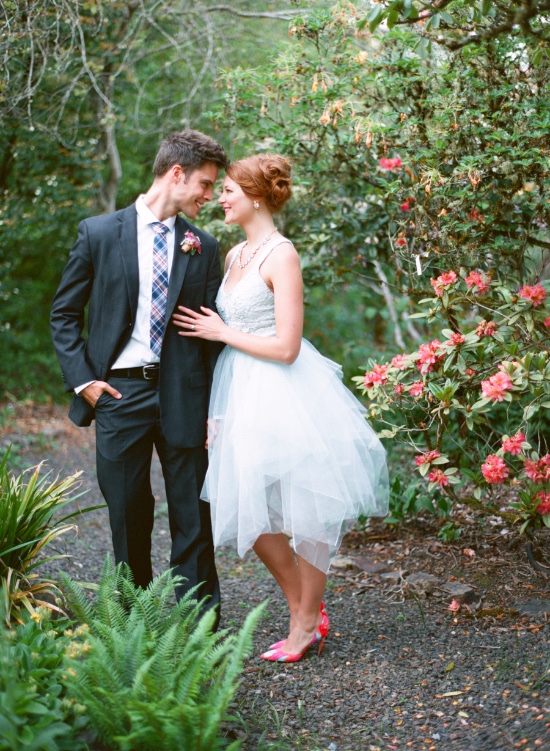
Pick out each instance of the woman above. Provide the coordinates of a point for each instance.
(290, 453)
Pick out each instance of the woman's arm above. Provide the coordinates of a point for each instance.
(281, 272)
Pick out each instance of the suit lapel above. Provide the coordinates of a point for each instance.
(179, 267)
(129, 252)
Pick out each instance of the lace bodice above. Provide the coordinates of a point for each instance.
(249, 305)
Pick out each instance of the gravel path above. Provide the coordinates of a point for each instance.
(399, 670)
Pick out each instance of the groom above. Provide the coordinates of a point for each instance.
(145, 385)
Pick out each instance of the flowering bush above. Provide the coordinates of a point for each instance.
(476, 415)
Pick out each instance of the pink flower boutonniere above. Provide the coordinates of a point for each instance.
(191, 244)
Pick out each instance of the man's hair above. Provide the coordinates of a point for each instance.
(190, 149)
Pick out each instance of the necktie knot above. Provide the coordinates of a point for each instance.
(159, 228)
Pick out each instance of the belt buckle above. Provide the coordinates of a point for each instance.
(150, 372)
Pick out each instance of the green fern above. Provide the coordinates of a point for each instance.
(150, 672)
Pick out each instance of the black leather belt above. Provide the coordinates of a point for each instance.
(144, 372)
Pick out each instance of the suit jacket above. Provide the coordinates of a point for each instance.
(103, 271)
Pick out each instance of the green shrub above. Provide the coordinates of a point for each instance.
(34, 715)
(28, 504)
(151, 674)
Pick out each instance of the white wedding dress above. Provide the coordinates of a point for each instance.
(289, 447)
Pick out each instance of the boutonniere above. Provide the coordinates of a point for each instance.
(191, 244)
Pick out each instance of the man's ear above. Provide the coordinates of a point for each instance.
(178, 173)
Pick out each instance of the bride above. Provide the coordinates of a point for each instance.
(292, 460)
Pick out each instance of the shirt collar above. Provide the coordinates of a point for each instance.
(147, 216)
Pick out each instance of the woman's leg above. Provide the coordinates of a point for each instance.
(303, 586)
(312, 587)
(276, 554)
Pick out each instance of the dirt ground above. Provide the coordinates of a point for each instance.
(413, 660)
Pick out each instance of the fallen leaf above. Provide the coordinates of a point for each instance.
(449, 693)
(469, 552)
(463, 714)
(449, 666)
(454, 606)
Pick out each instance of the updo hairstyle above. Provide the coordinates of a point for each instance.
(264, 176)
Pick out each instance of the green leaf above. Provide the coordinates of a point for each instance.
(486, 6)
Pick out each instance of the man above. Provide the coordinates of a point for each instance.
(145, 385)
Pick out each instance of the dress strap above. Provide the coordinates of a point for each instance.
(269, 250)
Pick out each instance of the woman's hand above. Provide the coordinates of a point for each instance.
(207, 325)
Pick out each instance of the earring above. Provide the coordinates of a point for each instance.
(256, 204)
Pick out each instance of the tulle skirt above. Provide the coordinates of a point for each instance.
(290, 451)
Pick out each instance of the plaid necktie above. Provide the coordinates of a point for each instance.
(160, 286)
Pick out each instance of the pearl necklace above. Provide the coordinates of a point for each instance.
(242, 265)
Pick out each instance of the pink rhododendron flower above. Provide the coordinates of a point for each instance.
(546, 322)
(512, 445)
(378, 375)
(416, 388)
(456, 339)
(390, 164)
(476, 279)
(544, 505)
(428, 356)
(486, 328)
(399, 389)
(535, 294)
(496, 386)
(494, 469)
(443, 281)
(400, 362)
(426, 458)
(538, 471)
(438, 476)
(454, 606)
(470, 372)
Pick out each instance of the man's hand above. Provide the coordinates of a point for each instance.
(92, 392)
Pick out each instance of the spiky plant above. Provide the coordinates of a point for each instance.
(28, 504)
(151, 673)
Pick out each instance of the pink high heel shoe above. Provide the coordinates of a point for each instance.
(276, 654)
(325, 625)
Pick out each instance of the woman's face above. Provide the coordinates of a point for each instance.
(238, 207)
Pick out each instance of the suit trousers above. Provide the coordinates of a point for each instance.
(127, 429)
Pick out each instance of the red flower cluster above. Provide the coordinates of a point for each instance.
(476, 279)
(429, 356)
(401, 242)
(426, 458)
(538, 471)
(390, 164)
(486, 328)
(399, 389)
(378, 375)
(535, 294)
(544, 505)
(512, 445)
(416, 388)
(439, 477)
(443, 281)
(406, 205)
(496, 386)
(547, 322)
(455, 339)
(401, 362)
(494, 469)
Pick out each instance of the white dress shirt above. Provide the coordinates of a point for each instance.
(138, 350)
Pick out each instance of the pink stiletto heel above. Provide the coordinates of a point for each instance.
(325, 624)
(276, 654)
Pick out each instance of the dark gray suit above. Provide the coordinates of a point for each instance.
(171, 414)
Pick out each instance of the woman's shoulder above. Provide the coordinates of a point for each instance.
(282, 252)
